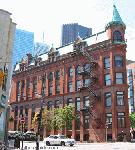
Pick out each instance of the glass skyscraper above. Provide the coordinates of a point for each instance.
(71, 31)
(23, 44)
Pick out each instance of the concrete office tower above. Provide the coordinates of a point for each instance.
(7, 29)
(23, 44)
(71, 31)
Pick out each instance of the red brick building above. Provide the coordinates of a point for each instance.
(91, 74)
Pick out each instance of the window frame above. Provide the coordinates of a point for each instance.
(121, 118)
(78, 70)
(70, 72)
(118, 62)
(108, 98)
(78, 101)
(70, 86)
(78, 84)
(107, 81)
(119, 80)
(109, 119)
(69, 102)
(120, 93)
(106, 64)
(117, 36)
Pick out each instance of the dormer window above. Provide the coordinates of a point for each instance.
(117, 36)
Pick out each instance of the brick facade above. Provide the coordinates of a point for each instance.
(115, 84)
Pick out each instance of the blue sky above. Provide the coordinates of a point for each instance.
(48, 16)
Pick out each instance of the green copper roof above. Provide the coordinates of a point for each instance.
(116, 19)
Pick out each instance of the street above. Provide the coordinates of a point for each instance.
(84, 146)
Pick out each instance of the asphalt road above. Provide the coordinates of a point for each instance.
(82, 146)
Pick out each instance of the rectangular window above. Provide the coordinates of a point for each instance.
(118, 61)
(43, 90)
(109, 119)
(78, 104)
(78, 85)
(107, 63)
(86, 82)
(28, 83)
(49, 105)
(69, 101)
(108, 99)
(86, 101)
(120, 98)
(35, 87)
(57, 75)
(71, 72)
(28, 88)
(50, 90)
(18, 91)
(22, 90)
(57, 88)
(121, 120)
(119, 78)
(57, 103)
(107, 79)
(70, 87)
(21, 111)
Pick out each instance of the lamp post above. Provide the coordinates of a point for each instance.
(106, 127)
(22, 126)
(39, 118)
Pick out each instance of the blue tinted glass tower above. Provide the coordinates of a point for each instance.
(71, 31)
(23, 44)
(131, 80)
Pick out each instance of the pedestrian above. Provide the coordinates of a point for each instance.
(37, 142)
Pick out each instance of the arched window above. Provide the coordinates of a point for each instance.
(87, 67)
(50, 78)
(78, 70)
(57, 75)
(71, 72)
(117, 36)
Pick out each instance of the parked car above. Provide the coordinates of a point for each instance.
(59, 140)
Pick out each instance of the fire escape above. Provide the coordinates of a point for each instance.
(94, 95)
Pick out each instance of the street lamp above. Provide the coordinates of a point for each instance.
(22, 125)
(39, 118)
(106, 127)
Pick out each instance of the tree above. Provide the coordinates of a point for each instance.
(46, 120)
(63, 117)
(132, 120)
(56, 119)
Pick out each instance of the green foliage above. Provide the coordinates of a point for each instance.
(132, 120)
(56, 119)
